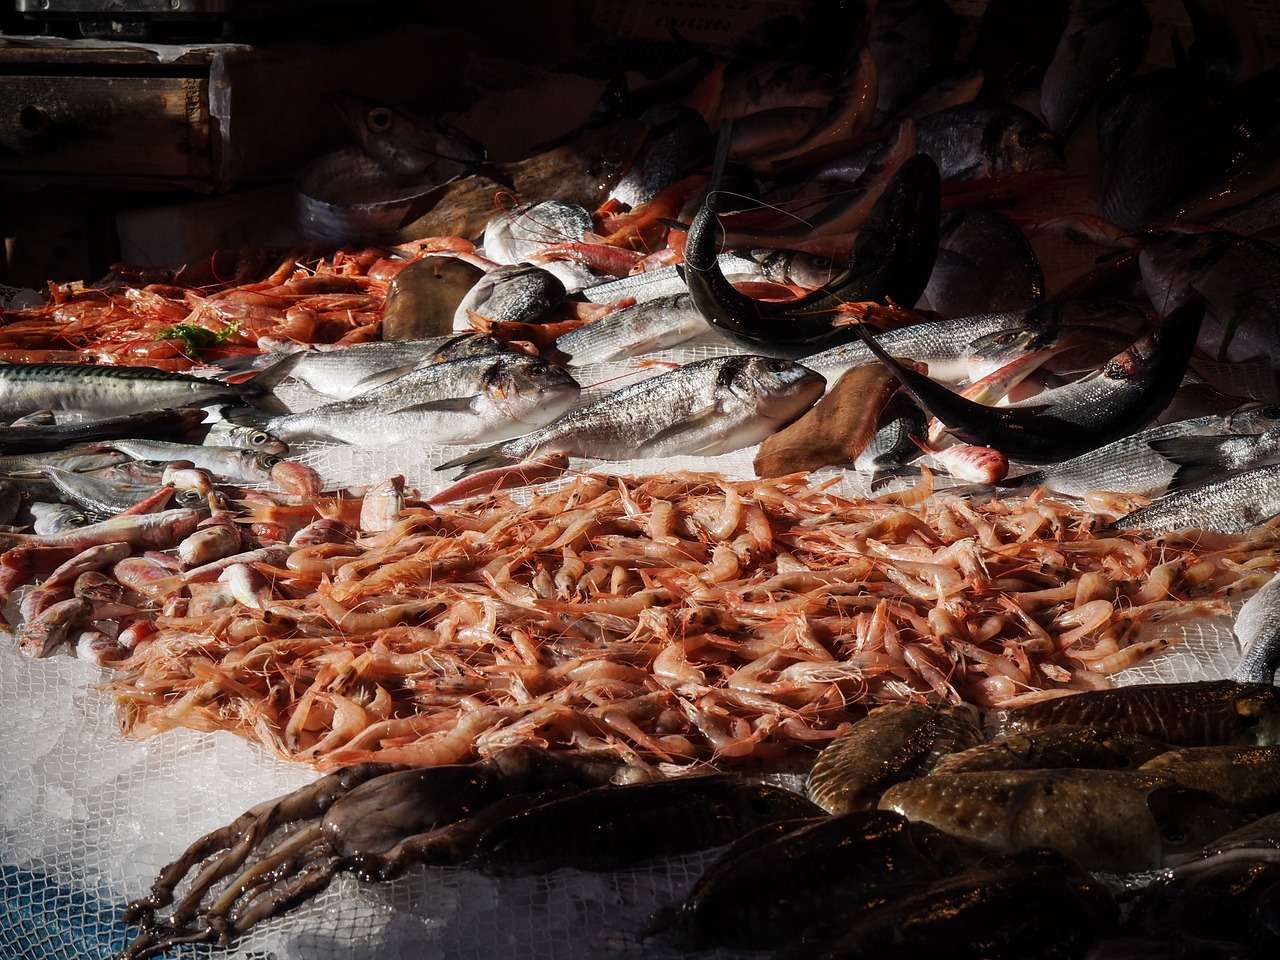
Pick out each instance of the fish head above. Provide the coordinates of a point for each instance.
(989, 353)
(524, 389)
(1187, 819)
(257, 466)
(190, 499)
(1253, 418)
(251, 438)
(778, 391)
(401, 142)
(1026, 146)
(1258, 715)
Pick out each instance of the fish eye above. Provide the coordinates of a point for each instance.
(776, 366)
(258, 439)
(270, 461)
(378, 119)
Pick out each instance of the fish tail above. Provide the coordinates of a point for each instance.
(272, 376)
(486, 458)
(246, 417)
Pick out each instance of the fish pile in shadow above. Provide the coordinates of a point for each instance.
(925, 833)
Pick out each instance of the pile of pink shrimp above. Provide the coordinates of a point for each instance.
(675, 619)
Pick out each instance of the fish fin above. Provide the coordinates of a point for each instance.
(481, 459)
(444, 405)
(1197, 458)
(881, 478)
(670, 224)
(270, 377)
(245, 416)
(383, 377)
(695, 419)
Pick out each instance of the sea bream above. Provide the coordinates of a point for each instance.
(106, 392)
(652, 325)
(704, 408)
(461, 401)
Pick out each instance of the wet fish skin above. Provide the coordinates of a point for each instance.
(892, 445)
(226, 433)
(1118, 821)
(676, 143)
(1234, 504)
(1055, 748)
(55, 518)
(892, 743)
(666, 281)
(161, 423)
(764, 896)
(513, 236)
(1103, 44)
(1202, 459)
(706, 408)
(1260, 834)
(611, 827)
(644, 328)
(459, 401)
(985, 265)
(987, 141)
(518, 293)
(76, 459)
(1257, 630)
(1204, 899)
(97, 498)
(1204, 713)
(1246, 777)
(231, 463)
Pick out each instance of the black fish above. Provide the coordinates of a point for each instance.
(985, 265)
(892, 258)
(156, 425)
(609, 828)
(1128, 393)
(987, 140)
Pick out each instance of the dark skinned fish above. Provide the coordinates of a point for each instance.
(1104, 43)
(1184, 714)
(1257, 630)
(518, 293)
(985, 265)
(1241, 776)
(613, 827)
(893, 743)
(893, 255)
(1016, 41)
(984, 141)
(408, 145)
(1055, 748)
(159, 424)
(1128, 393)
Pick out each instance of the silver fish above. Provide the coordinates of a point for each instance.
(1131, 465)
(96, 497)
(666, 281)
(1235, 504)
(227, 433)
(981, 141)
(460, 401)
(519, 293)
(644, 328)
(892, 445)
(1257, 630)
(705, 408)
(230, 463)
(77, 460)
(53, 518)
(1201, 459)
(944, 345)
(108, 392)
(352, 370)
(512, 237)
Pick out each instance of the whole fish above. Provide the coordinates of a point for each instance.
(987, 141)
(912, 43)
(227, 433)
(1055, 748)
(1131, 465)
(1257, 630)
(667, 281)
(1104, 43)
(160, 423)
(230, 463)
(55, 518)
(97, 498)
(644, 328)
(1015, 43)
(1207, 713)
(892, 257)
(459, 401)
(985, 265)
(519, 293)
(893, 743)
(1164, 114)
(111, 392)
(944, 346)
(1239, 279)
(1234, 504)
(1112, 820)
(1241, 776)
(406, 144)
(76, 459)
(612, 827)
(705, 408)
(1035, 905)
(517, 235)
(1128, 393)
(345, 372)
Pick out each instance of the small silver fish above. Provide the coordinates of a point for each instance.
(666, 281)
(705, 408)
(96, 497)
(1235, 504)
(52, 518)
(227, 433)
(230, 463)
(646, 327)
(1257, 630)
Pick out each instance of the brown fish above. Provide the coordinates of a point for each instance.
(1198, 714)
(892, 743)
(835, 430)
(1055, 748)
(424, 296)
(1110, 820)
(1242, 776)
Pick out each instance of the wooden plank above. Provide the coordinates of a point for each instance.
(126, 126)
